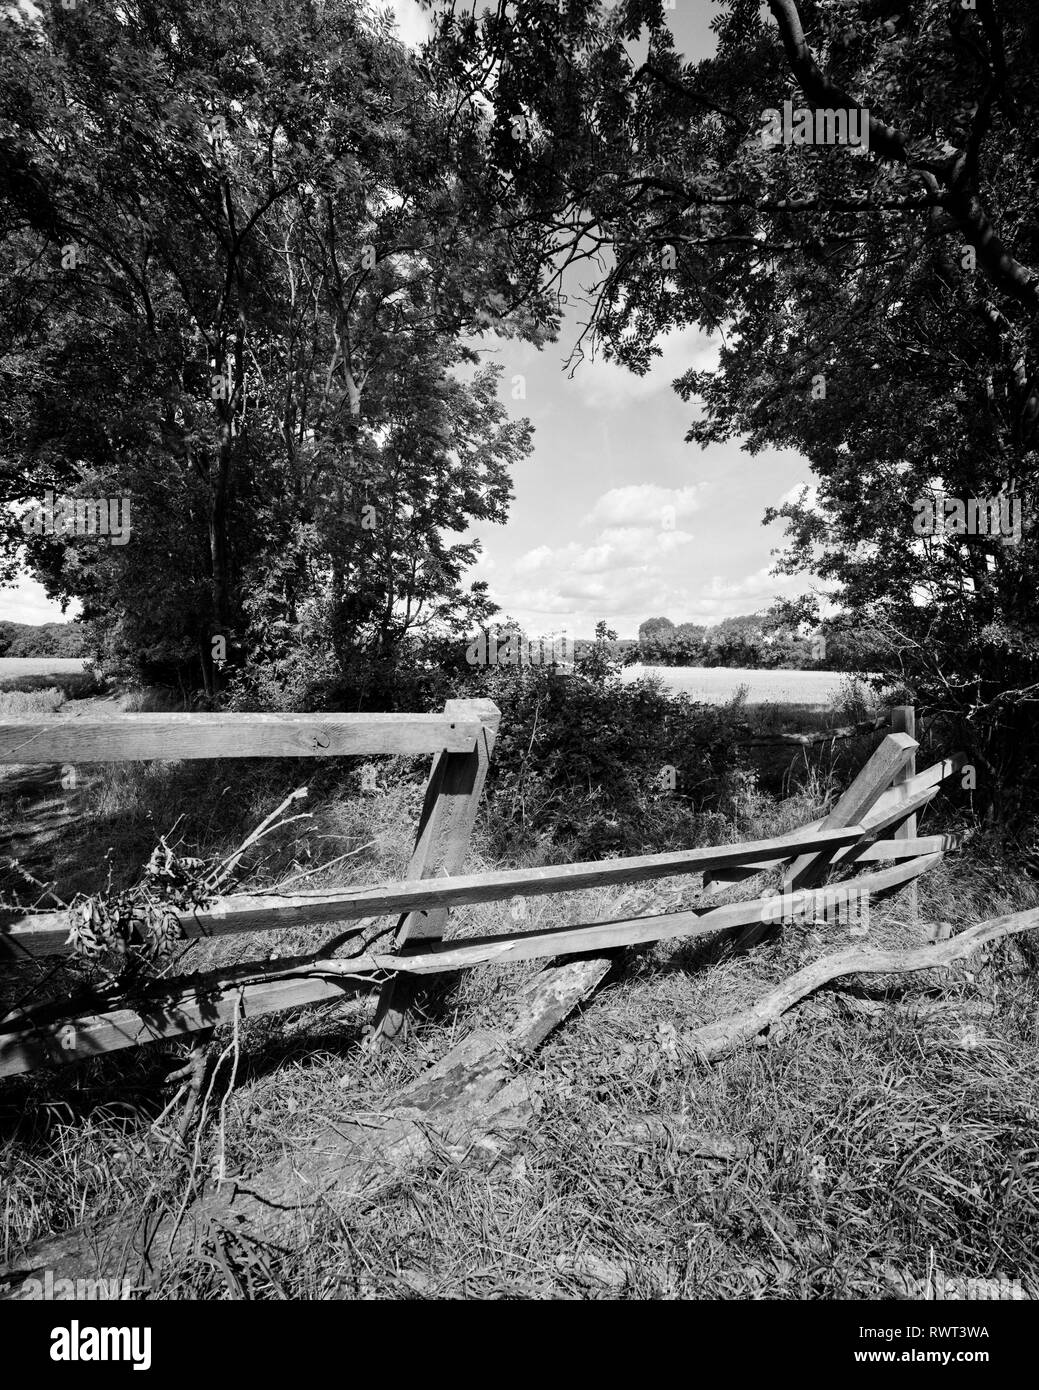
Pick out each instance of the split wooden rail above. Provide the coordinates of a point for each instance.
(884, 798)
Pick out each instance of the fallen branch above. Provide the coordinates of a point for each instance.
(716, 1040)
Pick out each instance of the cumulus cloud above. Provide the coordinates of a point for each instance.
(608, 386)
(612, 550)
(26, 601)
(643, 503)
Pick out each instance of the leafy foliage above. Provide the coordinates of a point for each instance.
(879, 308)
(601, 766)
(238, 296)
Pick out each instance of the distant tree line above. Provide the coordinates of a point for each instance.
(751, 641)
(49, 639)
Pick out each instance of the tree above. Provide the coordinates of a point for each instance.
(880, 306)
(239, 296)
(656, 630)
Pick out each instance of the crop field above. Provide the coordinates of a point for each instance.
(715, 685)
(14, 667)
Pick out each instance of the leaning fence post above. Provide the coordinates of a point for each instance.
(809, 869)
(887, 762)
(903, 721)
(445, 825)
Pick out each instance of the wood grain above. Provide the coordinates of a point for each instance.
(446, 824)
(46, 933)
(137, 737)
(717, 1040)
(22, 1049)
(886, 762)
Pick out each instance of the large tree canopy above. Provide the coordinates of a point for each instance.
(877, 309)
(239, 263)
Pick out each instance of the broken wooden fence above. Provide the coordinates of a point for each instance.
(883, 799)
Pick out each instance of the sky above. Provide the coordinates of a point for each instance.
(614, 515)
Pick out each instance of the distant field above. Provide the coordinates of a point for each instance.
(714, 685)
(41, 684)
(12, 667)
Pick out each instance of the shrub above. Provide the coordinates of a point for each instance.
(592, 763)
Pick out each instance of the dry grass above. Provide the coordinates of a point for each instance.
(25, 702)
(889, 1126)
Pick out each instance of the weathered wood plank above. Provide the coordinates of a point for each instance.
(887, 761)
(46, 933)
(90, 1035)
(889, 809)
(445, 827)
(884, 851)
(21, 1049)
(903, 721)
(136, 737)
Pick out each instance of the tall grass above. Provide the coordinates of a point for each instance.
(22, 702)
(886, 1131)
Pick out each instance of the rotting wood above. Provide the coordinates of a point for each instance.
(445, 828)
(72, 1040)
(46, 933)
(903, 721)
(677, 1133)
(138, 737)
(465, 1106)
(860, 798)
(894, 806)
(77, 1039)
(717, 1040)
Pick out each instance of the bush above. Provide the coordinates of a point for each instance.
(605, 766)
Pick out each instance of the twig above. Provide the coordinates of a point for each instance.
(315, 870)
(224, 869)
(222, 1176)
(14, 864)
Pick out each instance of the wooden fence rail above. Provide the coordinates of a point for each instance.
(462, 739)
(137, 737)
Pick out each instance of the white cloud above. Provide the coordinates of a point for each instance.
(606, 385)
(644, 503)
(414, 24)
(615, 549)
(794, 494)
(26, 601)
(534, 560)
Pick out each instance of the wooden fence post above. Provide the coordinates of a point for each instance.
(887, 762)
(448, 814)
(903, 721)
(809, 869)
